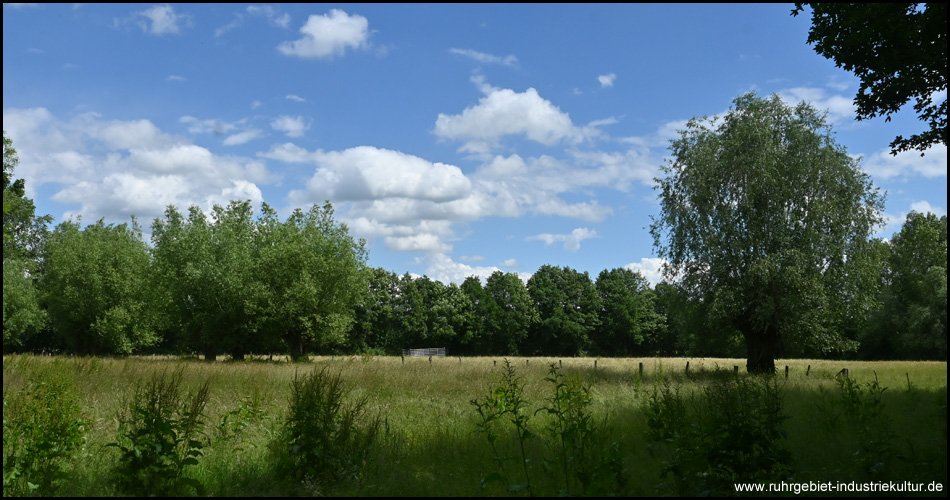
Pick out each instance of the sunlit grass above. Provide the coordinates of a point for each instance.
(428, 446)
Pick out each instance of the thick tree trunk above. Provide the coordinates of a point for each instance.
(295, 343)
(760, 348)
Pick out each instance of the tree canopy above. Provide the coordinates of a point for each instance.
(915, 301)
(898, 51)
(96, 284)
(241, 284)
(760, 210)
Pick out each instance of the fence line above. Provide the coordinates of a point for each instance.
(424, 353)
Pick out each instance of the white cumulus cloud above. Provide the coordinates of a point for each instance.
(113, 169)
(884, 165)
(293, 126)
(325, 36)
(504, 112)
(649, 268)
(163, 20)
(368, 173)
(607, 80)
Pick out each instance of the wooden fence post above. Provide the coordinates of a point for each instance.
(735, 369)
(687, 367)
(808, 371)
(641, 369)
(404, 359)
(786, 371)
(430, 360)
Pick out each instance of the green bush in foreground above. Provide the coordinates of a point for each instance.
(159, 436)
(42, 428)
(325, 438)
(729, 432)
(584, 463)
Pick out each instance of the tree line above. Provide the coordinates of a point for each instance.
(765, 224)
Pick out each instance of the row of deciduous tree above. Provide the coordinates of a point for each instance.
(764, 221)
(224, 282)
(559, 311)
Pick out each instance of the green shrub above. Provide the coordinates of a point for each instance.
(42, 428)
(505, 401)
(728, 433)
(326, 438)
(861, 407)
(584, 462)
(159, 436)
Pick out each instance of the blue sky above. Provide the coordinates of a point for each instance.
(456, 139)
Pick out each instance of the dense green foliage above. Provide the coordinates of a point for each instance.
(23, 316)
(239, 285)
(42, 430)
(160, 434)
(762, 261)
(96, 287)
(326, 437)
(23, 236)
(732, 433)
(899, 53)
(912, 320)
(760, 210)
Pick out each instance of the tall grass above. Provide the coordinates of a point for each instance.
(427, 444)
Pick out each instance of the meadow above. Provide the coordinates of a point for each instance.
(488, 426)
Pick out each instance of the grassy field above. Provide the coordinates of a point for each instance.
(888, 423)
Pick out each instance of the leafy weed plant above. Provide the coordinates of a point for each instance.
(326, 438)
(505, 401)
(42, 429)
(159, 436)
(583, 462)
(729, 432)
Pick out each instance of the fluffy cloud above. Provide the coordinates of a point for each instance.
(572, 241)
(650, 268)
(368, 173)
(925, 207)
(329, 35)
(504, 112)
(885, 165)
(841, 110)
(408, 202)
(293, 126)
(163, 20)
(114, 169)
(442, 268)
(607, 80)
